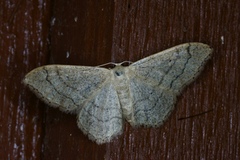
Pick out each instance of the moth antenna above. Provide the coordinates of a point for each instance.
(107, 64)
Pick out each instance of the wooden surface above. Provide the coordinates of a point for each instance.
(88, 32)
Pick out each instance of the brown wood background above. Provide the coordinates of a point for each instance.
(91, 32)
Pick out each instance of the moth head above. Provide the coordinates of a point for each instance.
(118, 70)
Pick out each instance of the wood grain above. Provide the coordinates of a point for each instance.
(87, 32)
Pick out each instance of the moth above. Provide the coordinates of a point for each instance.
(143, 93)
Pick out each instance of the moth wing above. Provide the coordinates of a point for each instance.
(65, 86)
(155, 81)
(101, 116)
(87, 91)
(174, 68)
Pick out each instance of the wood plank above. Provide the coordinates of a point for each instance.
(83, 29)
(23, 46)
